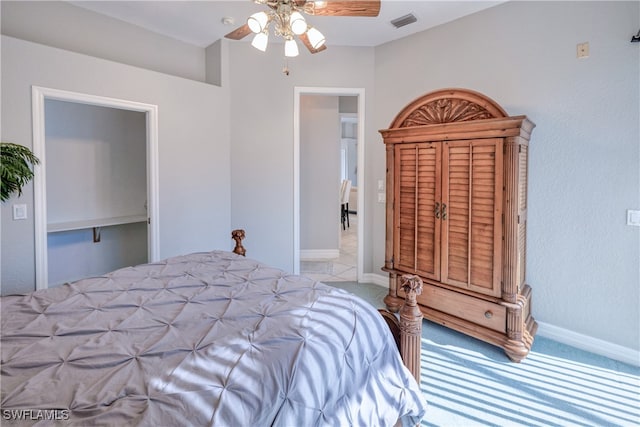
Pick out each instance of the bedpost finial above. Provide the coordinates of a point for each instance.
(411, 325)
(238, 235)
(412, 285)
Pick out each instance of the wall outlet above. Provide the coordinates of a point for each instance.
(583, 50)
(19, 212)
(382, 197)
(381, 184)
(633, 217)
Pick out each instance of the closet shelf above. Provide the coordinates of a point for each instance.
(91, 223)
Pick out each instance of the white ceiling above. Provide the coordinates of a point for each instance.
(200, 22)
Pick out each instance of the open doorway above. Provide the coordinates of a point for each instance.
(345, 267)
(339, 256)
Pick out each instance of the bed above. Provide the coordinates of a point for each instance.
(209, 338)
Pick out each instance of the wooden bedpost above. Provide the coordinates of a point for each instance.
(411, 325)
(407, 331)
(238, 235)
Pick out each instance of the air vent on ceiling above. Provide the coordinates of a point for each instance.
(404, 20)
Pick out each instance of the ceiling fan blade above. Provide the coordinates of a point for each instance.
(347, 8)
(239, 33)
(305, 41)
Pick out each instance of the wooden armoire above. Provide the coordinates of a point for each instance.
(456, 215)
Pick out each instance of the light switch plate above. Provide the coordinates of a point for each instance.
(19, 212)
(633, 217)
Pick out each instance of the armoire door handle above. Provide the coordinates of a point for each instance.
(444, 211)
(436, 210)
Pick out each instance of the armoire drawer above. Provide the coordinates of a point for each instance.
(481, 312)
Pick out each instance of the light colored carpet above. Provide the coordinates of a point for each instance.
(467, 382)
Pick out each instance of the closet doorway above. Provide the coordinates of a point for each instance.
(96, 195)
(301, 174)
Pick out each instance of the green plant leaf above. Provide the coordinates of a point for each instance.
(15, 168)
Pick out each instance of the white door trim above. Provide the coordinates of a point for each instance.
(38, 97)
(298, 92)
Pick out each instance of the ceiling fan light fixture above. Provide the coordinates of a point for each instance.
(297, 23)
(260, 41)
(258, 22)
(316, 38)
(287, 20)
(291, 48)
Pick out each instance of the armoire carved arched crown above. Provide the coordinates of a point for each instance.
(448, 106)
(456, 215)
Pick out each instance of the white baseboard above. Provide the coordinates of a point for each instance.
(376, 279)
(309, 254)
(590, 344)
(555, 333)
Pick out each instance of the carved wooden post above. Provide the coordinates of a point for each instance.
(411, 325)
(511, 238)
(238, 235)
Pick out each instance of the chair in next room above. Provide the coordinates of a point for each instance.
(345, 190)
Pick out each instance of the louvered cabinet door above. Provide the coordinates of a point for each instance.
(417, 226)
(472, 215)
(522, 212)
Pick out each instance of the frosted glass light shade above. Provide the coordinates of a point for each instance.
(316, 39)
(297, 23)
(260, 41)
(290, 48)
(257, 22)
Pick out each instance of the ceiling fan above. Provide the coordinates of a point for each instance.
(287, 19)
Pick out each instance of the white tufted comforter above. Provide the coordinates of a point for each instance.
(202, 339)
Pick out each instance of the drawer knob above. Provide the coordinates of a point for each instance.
(488, 314)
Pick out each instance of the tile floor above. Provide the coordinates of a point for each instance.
(341, 269)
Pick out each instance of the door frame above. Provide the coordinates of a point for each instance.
(328, 91)
(38, 96)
